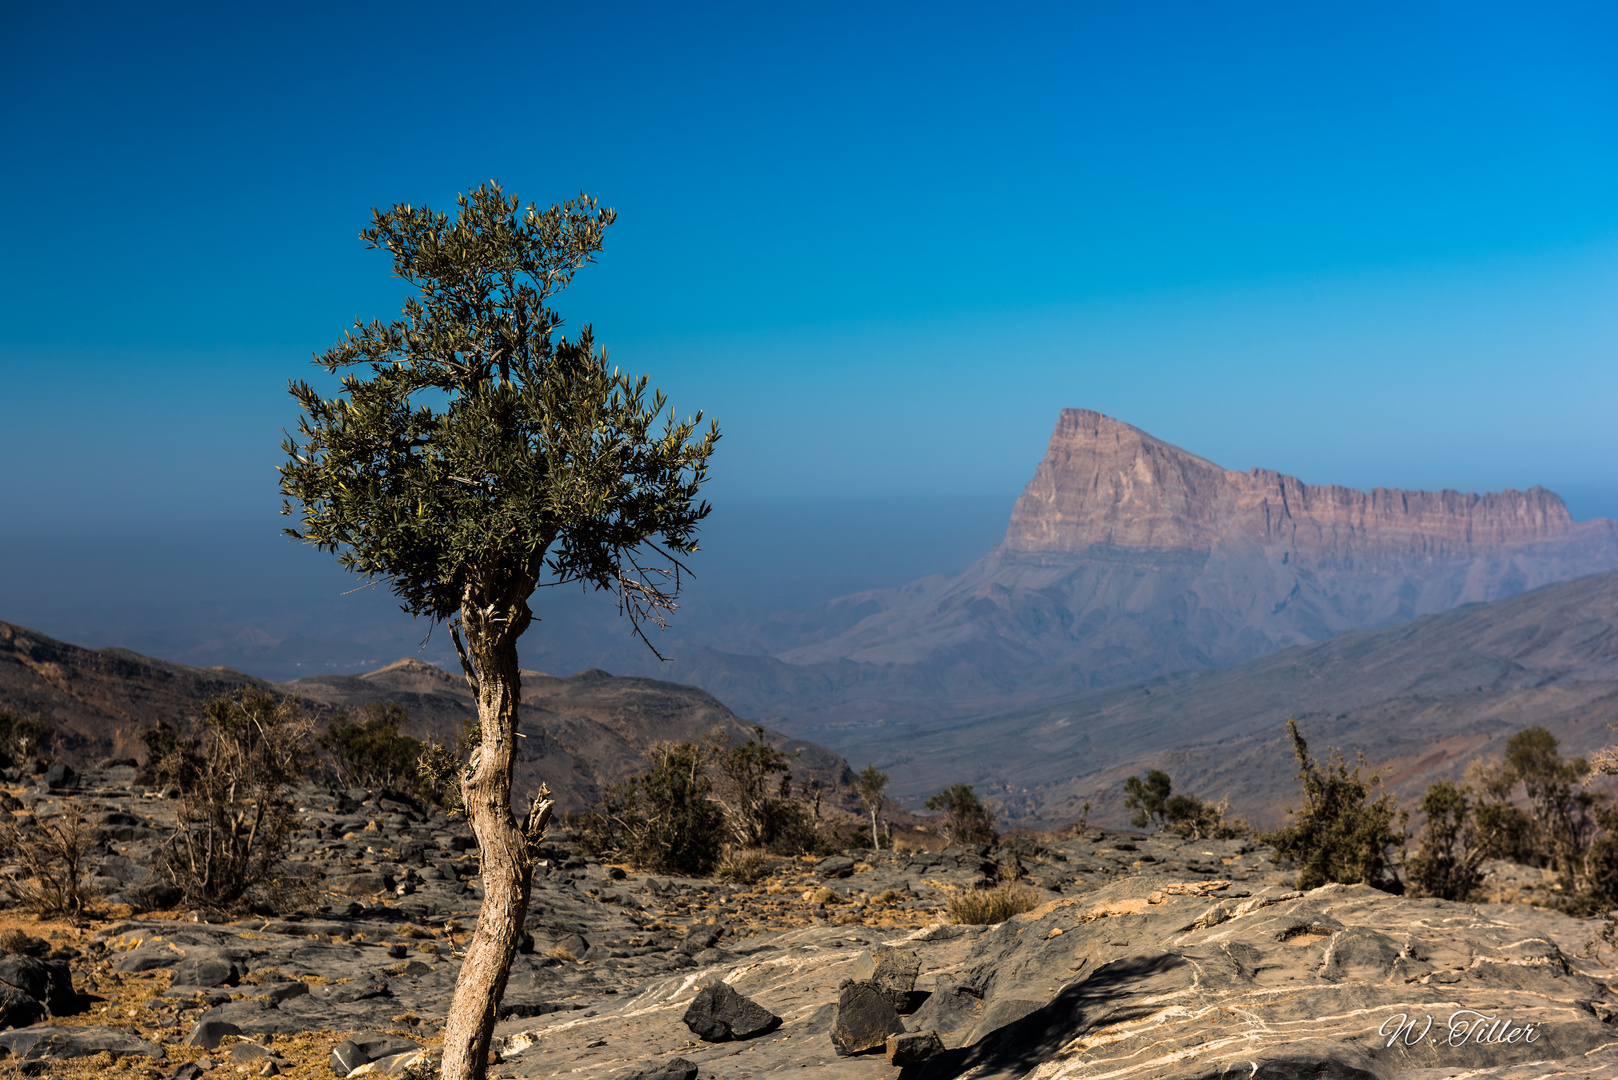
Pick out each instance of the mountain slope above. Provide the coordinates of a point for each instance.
(583, 732)
(1421, 699)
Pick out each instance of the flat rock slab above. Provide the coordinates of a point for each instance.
(43, 1043)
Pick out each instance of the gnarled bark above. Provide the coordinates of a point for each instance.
(504, 858)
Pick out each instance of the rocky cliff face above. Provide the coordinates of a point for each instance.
(1105, 483)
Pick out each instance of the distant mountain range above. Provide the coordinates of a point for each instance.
(1421, 700)
(583, 732)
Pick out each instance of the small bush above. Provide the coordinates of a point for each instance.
(662, 821)
(1340, 833)
(1454, 843)
(50, 852)
(967, 820)
(744, 865)
(234, 823)
(1183, 815)
(370, 753)
(983, 907)
(20, 737)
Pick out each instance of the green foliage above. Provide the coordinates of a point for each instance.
(754, 786)
(20, 737)
(967, 820)
(234, 823)
(871, 784)
(1340, 833)
(370, 753)
(1558, 826)
(662, 821)
(1184, 815)
(1148, 797)
(484, 450)
(1454, 843)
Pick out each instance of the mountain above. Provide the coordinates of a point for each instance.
(1126, 558)
(1420, 700)
(583, 732)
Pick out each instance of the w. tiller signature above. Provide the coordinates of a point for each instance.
(1465, 1025)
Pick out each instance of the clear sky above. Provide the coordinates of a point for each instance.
(883, 244)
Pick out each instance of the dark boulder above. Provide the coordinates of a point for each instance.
(18, 1009)
(837, 866)
(677, 1069)
(718, 1014)
(864, 1020)
(891, 971)
(912, 1047)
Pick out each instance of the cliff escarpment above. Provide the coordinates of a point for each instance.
(1106, 483)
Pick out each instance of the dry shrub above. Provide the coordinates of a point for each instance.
(50, 853)
(984, 907)
(235, 823)
(744, 865)
(561, 952)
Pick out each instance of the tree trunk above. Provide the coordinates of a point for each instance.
(875, 843)
(503, 848)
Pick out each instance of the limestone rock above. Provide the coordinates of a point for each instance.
(718, 1014)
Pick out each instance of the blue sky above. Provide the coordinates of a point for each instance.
(884, 245)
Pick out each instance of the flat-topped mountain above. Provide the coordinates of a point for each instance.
(1105, 483)
(1127, 558)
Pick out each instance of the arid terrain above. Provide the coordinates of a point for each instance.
(1141, 957)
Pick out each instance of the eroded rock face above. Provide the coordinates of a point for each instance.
(1103, 482)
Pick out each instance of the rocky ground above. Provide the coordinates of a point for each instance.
(1146, 957)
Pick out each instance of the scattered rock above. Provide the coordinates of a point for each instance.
(891, 971)
(208, 1033)
(43, 1042)
(836, 866)
(677, 1069)
(864, 1020)
(913, 1047)
(718, 1014)
(205, 971)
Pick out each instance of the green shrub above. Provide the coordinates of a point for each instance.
(1454, 843)
(1558, 826)
(662, 821)
(370, 753)
(1340, 833)
(983, 907)
(966, 819)
(1183, 815)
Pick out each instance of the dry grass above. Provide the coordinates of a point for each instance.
(562, 953)
(745, 865)
(984, 907)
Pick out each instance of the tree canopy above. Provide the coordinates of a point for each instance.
(484, 452)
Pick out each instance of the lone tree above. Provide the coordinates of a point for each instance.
(472, 454)
(871, 785)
